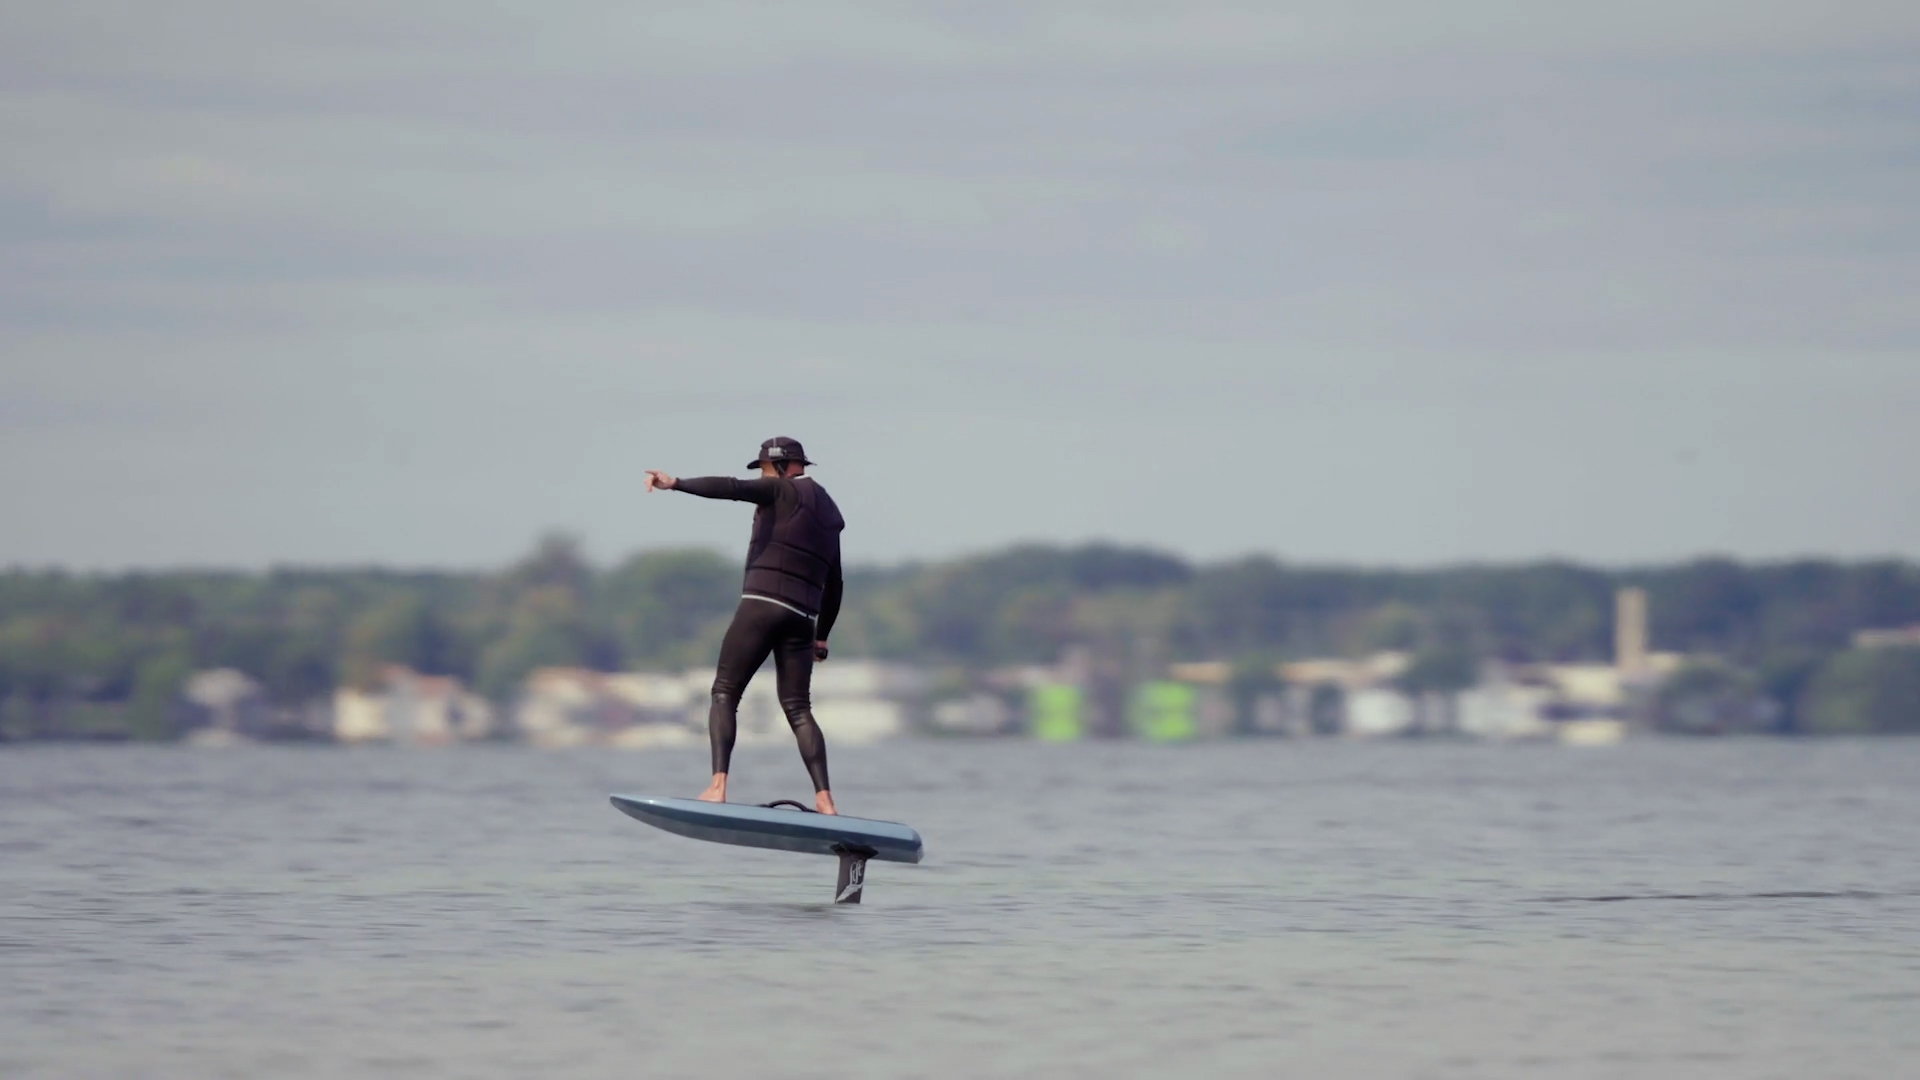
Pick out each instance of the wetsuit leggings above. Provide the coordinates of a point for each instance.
(761, 627)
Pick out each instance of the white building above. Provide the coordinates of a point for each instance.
(360, 716)
(412, 709)
(854, 701)
(560, 707)
(1499, 709)
(223, 705)
(1361, 695)
(1378, 711)
(1900, 637)
(980, 713)
(864, 701)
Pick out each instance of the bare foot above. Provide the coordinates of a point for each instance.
(823, 802)
(716, 791)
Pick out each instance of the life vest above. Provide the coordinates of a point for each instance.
(796, 543)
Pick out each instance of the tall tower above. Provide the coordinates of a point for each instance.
(1630, 632)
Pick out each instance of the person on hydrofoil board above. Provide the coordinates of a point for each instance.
(787, 606)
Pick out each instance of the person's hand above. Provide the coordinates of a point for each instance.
(819, 651)
(658, 481)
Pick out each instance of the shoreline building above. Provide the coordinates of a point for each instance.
(854, 701)
(1587, 703)
(411, 709)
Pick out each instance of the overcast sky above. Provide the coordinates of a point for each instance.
(1380, 282)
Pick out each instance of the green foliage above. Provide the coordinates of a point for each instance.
(1866, 691)
(118, 644)
(660, 603)
(1444, 668)
(1542, 611)
(404, 631)
(1744, 611)
(1710, 697)
(548, 629)
(152, 708)
(556, 563)
(1007, 607)
(1783, 676)
(1394, 625)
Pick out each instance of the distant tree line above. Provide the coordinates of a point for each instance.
(109, 652)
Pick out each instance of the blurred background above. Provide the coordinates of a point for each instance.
(1325, 370)
(1047, 642)
(1382, 538)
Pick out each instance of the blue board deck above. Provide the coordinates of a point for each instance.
(782, 830)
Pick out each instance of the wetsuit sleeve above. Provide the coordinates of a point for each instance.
(762, 491)
(830, 602)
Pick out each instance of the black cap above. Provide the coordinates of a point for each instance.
(779, 449)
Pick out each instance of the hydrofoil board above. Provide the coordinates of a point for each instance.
(771, 827)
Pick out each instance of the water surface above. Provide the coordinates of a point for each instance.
(1262, 909)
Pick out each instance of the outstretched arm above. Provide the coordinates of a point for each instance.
(762, 491)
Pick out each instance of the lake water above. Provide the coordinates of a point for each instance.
(1319, 909)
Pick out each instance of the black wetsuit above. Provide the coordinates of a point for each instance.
(790, 600)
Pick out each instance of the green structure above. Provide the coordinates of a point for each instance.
(1054, 712)
(1164, 711)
